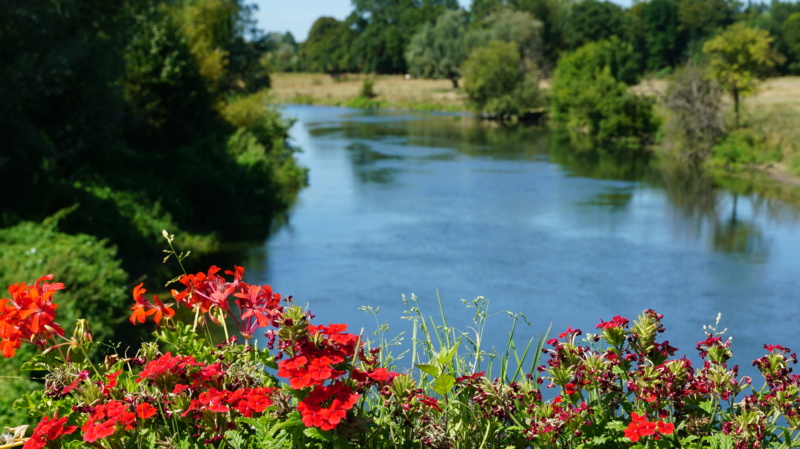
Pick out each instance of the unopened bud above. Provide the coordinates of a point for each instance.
(82, 333)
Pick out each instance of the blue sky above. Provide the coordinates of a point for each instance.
(297, 16)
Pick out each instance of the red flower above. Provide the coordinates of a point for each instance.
(569, 332)
(617, 321)
(28, 315)
(140, 309)
(48, 430)
(104, 420)
(429, 401)
(641, 427)
(143, 308)
(145, 410)
(665, 428)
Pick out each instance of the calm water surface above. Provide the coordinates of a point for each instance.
(427, 204)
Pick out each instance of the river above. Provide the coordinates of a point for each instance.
(431, 204)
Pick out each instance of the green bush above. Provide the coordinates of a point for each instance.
(496, 83)
(97, 290)
(590, 93)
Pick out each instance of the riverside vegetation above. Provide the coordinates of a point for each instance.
(318, 385)
(123, 118)
(576, 63)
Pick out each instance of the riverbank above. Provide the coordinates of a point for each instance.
(770, 135)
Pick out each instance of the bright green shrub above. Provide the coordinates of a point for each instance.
(495, 81)
(590, 93)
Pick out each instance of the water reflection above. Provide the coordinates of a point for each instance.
(402, 203)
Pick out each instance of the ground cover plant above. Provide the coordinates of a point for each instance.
(315, 385)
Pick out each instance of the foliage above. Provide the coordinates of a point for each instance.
(96, 292)
(790, 31)
(738, 58)
(592, 21)
(383, 30)
(327, 48)
(320, 386)
(769, 136)
(507, 25)
(588, 93)
(495, 82)
(114, 104)
(700, 19)
(664, 39)
(437, 51)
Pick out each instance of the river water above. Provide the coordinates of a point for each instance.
(431, 204)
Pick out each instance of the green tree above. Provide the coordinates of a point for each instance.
(790, 31)
(738, 58)
(327, 48)
(665, 41)
(507, 25)
(588, 93)
(701, 18)
(593, 20)
(385, 27)
(437, 51)
(496, 82)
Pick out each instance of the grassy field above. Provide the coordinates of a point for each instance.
(396, 92)
(392, 91)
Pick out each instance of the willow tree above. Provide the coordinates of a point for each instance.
(438, 50)
(738, 58)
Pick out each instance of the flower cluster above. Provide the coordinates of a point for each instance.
(323, 368)
(309, 380)
(640, 427)
(29, 315)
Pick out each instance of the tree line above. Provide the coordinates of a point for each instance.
(395, 36)
(591, 52)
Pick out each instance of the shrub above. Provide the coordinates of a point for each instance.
(496, 83)
(590, 93)
(695, 123)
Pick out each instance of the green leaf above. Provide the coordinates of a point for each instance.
(446, 355)
(707, 406)
(430, 369)
(444, 384)
(313, 432)
(235, 439)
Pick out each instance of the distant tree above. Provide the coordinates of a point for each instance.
(665, 41)
(479, 9)
(738, 58)
(495, 81)
(790, 31)
(437, 51)
(507, 25)
(587, 94)
(282, 52)
(554, 16)
(593, 20)
(383, 29)
(701, 18)
(635, 32)
(327, 48)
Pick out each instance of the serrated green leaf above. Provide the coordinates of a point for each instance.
(444, 384)
(707, 406)
(432, 370)
(234, 438)
(313, 432)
